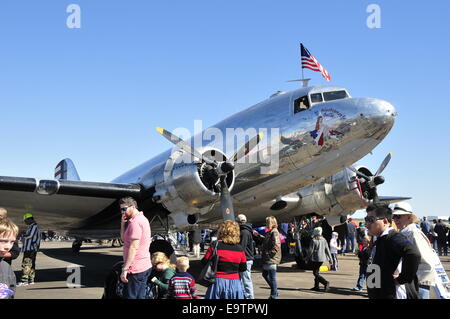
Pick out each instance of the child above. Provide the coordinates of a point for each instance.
(334, 247)
(163, 272)
(182, 284)
(319, 253)
(8, 234)
(363, 256)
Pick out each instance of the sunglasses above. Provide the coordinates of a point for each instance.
(124, 209)
(397, 216)
(372, 219)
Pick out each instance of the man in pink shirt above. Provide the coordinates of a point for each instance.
(136, 235)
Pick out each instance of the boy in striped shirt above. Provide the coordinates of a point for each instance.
(182, 285)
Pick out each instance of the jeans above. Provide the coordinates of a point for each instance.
(341, 242)
(350, 243)
(424, 292)
(362, 277)
(270, 275)
(318, 278)
(246, 278)
(435, 244)
(137, 284)
(442, 247)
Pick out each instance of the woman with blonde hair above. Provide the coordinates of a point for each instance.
(232, 261)
(406, 223)
(161, 274)
(271, 254)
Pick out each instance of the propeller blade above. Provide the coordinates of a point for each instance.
(384, 164)
(367, 178)
(183, 145)
(244, 150)
(226, 203)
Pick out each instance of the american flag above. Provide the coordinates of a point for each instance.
(310, 62)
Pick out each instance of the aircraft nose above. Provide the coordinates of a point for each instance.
(378, 115)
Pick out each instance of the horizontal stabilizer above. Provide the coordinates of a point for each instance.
(66, 170)
(392, 199)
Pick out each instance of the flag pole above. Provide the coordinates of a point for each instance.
(304, 81)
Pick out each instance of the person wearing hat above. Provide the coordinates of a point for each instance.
(248, 244)
(406, 221)
(31, 243)
(319, 253)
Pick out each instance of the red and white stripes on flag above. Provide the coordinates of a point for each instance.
(310, 62)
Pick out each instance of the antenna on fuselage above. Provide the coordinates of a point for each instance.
(305, 81)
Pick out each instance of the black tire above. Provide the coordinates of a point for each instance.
(76, 246)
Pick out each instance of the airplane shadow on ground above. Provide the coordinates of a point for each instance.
(94, 267)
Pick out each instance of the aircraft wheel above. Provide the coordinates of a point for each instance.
(76, 246)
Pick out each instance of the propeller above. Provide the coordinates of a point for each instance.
(216, 170)
(373, 181)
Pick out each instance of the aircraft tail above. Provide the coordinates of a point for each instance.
(66, 170)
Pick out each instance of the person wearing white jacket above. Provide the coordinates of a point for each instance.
(405, 221)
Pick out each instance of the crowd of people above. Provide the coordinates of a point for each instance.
(395, 251)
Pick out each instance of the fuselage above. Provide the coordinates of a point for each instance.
(310, 133)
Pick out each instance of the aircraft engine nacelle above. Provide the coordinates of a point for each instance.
(339, 194)
(189, 188)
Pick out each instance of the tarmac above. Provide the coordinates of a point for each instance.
(56, 270)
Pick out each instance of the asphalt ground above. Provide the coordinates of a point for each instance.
(55, 267)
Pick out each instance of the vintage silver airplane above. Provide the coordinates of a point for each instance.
(314, 134)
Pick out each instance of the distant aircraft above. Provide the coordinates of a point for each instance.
(320, 132)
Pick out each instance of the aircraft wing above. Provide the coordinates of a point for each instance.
(63, 204)
(388, 200)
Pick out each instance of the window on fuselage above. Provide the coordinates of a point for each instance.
(335, 95)
(316, 98)
(301, 104)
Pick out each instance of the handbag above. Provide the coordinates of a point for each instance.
(207, 276)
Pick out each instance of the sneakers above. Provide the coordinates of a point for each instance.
(327, 287)
(22, 284)
(357, 289)
(315, 289)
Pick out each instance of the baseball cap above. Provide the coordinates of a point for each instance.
(241, 218)
(26, 216)
(402, 208)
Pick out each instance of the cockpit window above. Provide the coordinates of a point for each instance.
(301, 104)
(316, 97)
(335, 95)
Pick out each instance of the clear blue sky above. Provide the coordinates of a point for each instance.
(96, 94)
